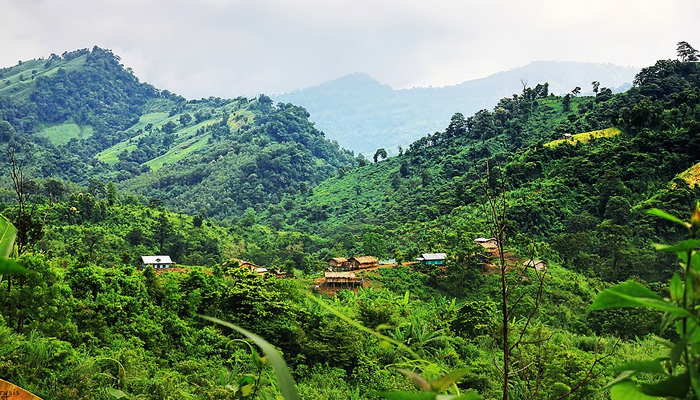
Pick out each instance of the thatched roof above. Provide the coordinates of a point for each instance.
(365, 260)
(339, 274)
(339, 260)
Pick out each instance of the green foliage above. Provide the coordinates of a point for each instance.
(674, 376)
(286, 382)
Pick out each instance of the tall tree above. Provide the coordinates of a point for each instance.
(380, 153)
(686, 52)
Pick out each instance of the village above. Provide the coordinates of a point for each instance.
(349, 273)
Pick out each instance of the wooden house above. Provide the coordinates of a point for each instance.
(338, 263)
(251, 267)
(277, 273)
(343, 279)
(363, 262)
(436, 259)
(157, 262)
(489, 244)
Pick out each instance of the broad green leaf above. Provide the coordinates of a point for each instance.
(677, 351)
(247, 390)
(663, 341)
(284, 377)
(678, 247)
(11, 267)
(116, 393)
(673, 386)
(694, 261)
(692, 330)
(8, 234)
(448, 380)
(653, 366)
(627, 390)
(623, 377)
(406, 395)
(695, 380)
(417, 379)
(667, 216)
(633, 294)
(676, 288)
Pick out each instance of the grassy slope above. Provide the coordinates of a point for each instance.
(585, 137)
(11, 85)
(62, 133)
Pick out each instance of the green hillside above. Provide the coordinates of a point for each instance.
(574, 200)
(83, 117)
(216, 183)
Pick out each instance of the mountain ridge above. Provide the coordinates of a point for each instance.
(378, 117)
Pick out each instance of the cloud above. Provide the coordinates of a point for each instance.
(226, 48)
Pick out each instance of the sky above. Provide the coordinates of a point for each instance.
(230, 48)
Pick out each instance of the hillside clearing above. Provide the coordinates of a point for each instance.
(585, 137)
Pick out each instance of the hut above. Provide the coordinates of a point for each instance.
(343, 279)
(338, 262)
(490, 244)
(363, 262)
(251, 267)
(157, 262)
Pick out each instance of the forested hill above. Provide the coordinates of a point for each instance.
(364, 115)
(581, 198)
(83, 117)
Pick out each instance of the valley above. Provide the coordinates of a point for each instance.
(102, 169)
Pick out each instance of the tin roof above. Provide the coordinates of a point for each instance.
(148, 260)
(433, 256)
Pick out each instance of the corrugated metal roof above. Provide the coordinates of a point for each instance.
(156, 260)
(434, 256)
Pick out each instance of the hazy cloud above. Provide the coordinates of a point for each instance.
(227, 48)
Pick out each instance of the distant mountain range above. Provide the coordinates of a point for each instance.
(362, 114)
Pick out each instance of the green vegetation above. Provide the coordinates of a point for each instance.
(585, 137)
(63, 133)
(211, 182)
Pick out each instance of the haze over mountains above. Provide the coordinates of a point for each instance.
(363, 115)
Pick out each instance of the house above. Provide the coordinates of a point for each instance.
(342, 279)
(489, 244)
(338, 262)
(538, 265)
(363, 262)
(156, 262)
(278, 273)
(251, 267)
(438, 259)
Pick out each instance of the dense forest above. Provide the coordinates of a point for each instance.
(101, 179)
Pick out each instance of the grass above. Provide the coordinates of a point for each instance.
(187, 139)
(110, 155)
(10, 84)
(691, 175)
(179, 152)
(63, 133)
(585, 137)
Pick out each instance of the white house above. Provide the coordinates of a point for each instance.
(156, 262)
